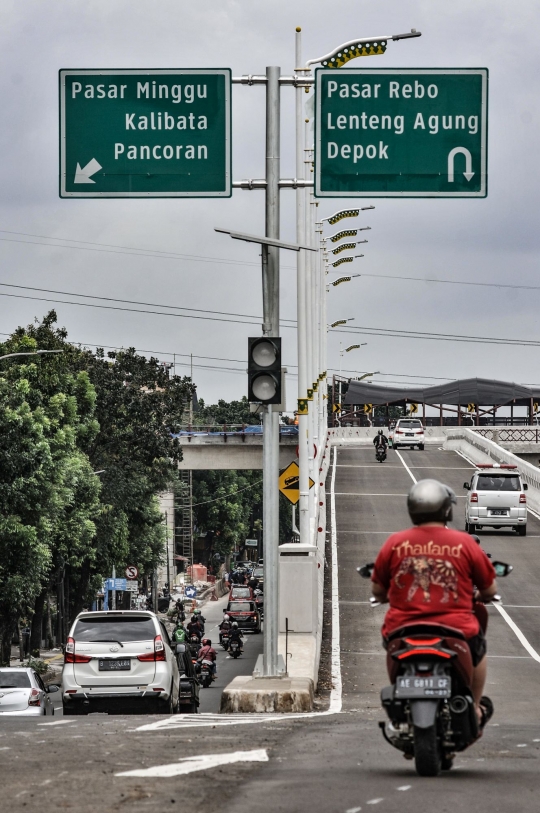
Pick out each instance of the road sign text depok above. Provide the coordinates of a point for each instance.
(396, 132)
(145, 133)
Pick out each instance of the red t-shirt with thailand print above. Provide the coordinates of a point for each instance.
(429, 573)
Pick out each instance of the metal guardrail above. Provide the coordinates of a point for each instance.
(509, 434)
(529, 473)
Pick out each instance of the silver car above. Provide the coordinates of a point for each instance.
(23, 693)
(496, 498)
(119, 661)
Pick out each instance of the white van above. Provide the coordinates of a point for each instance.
(496, 498)
(119, 660)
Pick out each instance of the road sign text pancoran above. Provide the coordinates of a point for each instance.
(145, 133)
(401, 132)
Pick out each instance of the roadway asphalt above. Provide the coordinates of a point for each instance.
(322, 762)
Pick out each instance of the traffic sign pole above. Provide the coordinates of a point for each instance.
(270, 270)
(302, 309)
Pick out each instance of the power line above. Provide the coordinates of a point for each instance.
(456, 282)
(449, 337)
(362, 331)
(131, 301)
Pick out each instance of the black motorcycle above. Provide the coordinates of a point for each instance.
(429, 703)
(380, 454)
(234, 649)
(205, 674)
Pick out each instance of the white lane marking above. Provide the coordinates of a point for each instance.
(413, 478)
(375, 801)
(353, 810)
(468, 459)
(365, 494)
(512, 657)
(519, 635)
(58, 722)
(200, 763)
(521, 745)
(404, 787)
(534, 513)
(5, 748)
(524, 606)
(536, 740)
(336, 694)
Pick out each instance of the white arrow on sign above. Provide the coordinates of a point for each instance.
(468, 163)
(201, 763)
(83, 175)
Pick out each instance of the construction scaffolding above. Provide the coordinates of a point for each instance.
(184, 521)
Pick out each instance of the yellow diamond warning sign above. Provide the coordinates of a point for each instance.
(289, 482)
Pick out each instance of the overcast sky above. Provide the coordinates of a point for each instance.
(485, 240)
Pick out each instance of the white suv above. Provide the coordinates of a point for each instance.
(496, 498)
(408, 432)
(119, 661)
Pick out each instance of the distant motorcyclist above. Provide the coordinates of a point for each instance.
(208, 653)
(225, 626)
(236, 634)
(195, 627)
(253, 583)
(380, 440)
(432, 573)
(179, 635)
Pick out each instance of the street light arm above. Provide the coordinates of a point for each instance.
(32, 353)
(364, 46)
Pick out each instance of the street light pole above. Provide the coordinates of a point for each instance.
(301, 289)
(270, 271)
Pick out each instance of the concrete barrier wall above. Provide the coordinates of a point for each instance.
(482, 450)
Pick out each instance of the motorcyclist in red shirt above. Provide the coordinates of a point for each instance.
(431, 573)
(208, 653)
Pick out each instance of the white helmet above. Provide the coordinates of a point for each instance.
(226, 617)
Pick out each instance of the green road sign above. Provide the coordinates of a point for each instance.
(145, 133)
(401, 132)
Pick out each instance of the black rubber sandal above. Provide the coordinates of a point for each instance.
(487, 709)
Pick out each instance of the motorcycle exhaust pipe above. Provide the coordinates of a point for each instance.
(458, 704)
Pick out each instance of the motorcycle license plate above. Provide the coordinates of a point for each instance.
(120, 665)
(410, 687)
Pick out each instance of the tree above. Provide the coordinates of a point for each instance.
(128, 412)
(48, 491)
(226, 504)
(225, 412)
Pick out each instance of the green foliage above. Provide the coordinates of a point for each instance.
(62, 418)
(226, 503)
(38, 665)
(225, 412)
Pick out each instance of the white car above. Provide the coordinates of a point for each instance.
(407, 432)
(119, 661)
(23, 693)
(496, 498)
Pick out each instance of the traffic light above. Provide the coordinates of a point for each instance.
(264, 370)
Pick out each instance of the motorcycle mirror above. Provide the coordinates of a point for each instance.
(502, 569)
(366, 570)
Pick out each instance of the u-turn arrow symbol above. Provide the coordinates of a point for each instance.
(468, 163)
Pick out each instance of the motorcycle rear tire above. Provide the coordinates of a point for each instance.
(427, 755)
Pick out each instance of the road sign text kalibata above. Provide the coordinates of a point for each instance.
(401, 132)
(145, 133)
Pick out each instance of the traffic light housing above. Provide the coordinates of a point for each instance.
(264, 370)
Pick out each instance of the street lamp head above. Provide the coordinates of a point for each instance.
(355, 347)
(342, 279)
(30, 353)
(337, 216)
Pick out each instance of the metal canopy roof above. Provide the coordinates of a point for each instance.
(480, 391)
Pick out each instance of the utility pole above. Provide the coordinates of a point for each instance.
(270, 273)
(302, 308)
